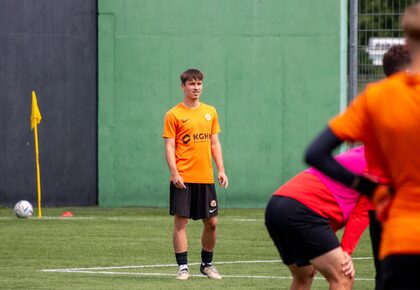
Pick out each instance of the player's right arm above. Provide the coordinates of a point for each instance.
(176, 178)
(169, 135)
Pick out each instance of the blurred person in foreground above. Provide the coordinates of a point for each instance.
(396, 59)
(386, 118)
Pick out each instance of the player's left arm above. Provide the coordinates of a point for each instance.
(352, 126)
(216, 152)
(355, 225)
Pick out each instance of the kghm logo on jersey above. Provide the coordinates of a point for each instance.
(186, 139)
(201, 137)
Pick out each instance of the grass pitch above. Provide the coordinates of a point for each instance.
(131, 248)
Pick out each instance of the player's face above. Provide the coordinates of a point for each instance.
(192, 89)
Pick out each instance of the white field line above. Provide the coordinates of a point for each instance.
(168, 265)
(246, 220)
(121, 218)
(172, 275)
(156, 266)
(195, 275)
(86, 218)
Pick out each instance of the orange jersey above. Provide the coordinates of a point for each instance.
(386, 118)
(192, 130)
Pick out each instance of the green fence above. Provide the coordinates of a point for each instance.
(272, 70)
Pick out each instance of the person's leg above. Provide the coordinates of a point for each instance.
(330, 266)
(204, 206)
(208, 237)
(309, 236)
(181, 246)
(277, 214)
(180, 234)
(375, 230)
(208, 241)
(179, 207)
(302, 277)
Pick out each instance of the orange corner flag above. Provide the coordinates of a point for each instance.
(35, 114)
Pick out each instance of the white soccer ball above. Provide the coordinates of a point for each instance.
(24, 209)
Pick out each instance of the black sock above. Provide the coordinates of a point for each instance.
(206, 257)
(181, 258)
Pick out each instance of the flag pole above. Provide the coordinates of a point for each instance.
(38, 174)
(35, 120)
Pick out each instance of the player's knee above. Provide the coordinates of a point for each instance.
(303, 280)
(211, 224)
(302, 277)
(181, 224)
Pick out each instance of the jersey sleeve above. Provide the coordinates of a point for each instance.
(356, 225)
(215, 127)
(352, 124)
(169, 126)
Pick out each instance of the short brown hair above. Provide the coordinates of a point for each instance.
(191, 74)
(396, 59)
(410, 22)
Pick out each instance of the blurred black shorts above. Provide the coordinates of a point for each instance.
(299, 233)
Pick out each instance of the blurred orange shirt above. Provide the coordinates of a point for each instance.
(386, 118)
(192, 130)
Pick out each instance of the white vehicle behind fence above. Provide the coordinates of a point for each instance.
(378, 46)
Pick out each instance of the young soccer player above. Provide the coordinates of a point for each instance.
(190, 132)
(396, 59)
(386, 118)
(303, 216)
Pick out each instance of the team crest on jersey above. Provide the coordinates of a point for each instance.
(208, 117)
(213, 203)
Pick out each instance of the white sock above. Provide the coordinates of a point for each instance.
(183, 267)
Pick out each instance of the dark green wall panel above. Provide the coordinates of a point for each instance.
(272, 71)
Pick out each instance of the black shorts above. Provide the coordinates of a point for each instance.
(197, 201)
(299, 233)
(401, 272)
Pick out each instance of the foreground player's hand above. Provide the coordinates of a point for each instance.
(382, 201)
(223, 179)
(178, 181)
(347, 266)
